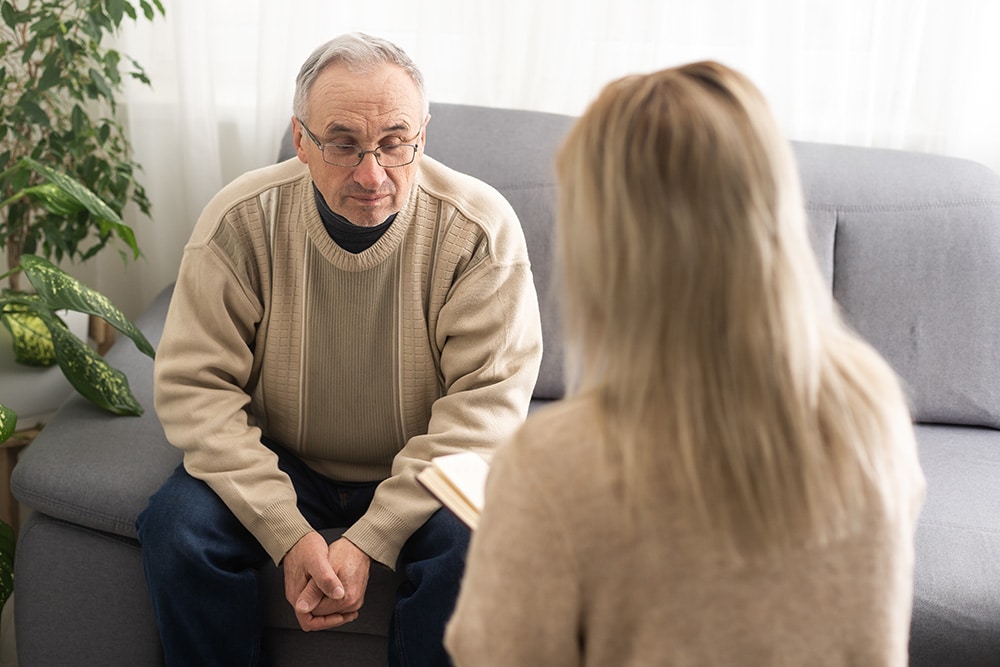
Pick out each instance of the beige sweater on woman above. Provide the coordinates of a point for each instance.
(365, 365)
(554, 578)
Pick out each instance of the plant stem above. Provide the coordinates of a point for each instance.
(13, 275)
(16, 269)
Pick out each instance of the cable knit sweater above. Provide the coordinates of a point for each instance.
(366, 365)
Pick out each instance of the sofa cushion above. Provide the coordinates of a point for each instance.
(956, 596)
(80, 598)
(916, 269)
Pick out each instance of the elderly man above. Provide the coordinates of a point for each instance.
(338, 320)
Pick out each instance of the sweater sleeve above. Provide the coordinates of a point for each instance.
(202, 374)
(489, 334)
(520, 597)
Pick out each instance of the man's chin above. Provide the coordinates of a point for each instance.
(363, 218)
(367, 216)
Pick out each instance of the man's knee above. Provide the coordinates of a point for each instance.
(449, 530)
(180, 512)
(442, 538)
(186, 526)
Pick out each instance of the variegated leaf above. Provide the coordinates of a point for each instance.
(32, 341)
(54, 199)
(89, 374)
(62, 291)
(77, 190)
(8, 420)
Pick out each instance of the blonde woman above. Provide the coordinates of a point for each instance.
(734, 479)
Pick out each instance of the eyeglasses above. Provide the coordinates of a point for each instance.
(351, 155)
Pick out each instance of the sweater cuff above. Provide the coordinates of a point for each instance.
(380, 534)
(279, 527)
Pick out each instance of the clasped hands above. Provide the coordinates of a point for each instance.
(325, 584)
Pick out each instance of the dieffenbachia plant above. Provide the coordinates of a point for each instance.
(41, 338)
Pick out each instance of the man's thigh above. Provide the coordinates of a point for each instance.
(186, 515)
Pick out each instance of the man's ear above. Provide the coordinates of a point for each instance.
(423, 132)
(298, 136)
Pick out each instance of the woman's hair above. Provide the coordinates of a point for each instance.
(697, 315)
(361, 53)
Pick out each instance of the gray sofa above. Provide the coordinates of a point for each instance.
(910, 245)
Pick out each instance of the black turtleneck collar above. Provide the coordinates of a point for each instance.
(350, 237)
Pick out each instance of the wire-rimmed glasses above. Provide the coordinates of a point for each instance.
(388, 156)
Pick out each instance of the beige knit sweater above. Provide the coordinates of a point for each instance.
(366, 365)
(555, 579)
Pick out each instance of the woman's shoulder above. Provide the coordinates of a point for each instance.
(570, 417)
(559, 439)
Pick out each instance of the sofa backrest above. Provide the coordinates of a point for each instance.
(913, 245)
(908, 242)
(514, 153)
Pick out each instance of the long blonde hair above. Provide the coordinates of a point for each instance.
(696, 313)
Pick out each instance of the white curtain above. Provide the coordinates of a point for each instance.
(913, 74)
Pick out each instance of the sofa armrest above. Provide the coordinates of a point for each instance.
(96, 469)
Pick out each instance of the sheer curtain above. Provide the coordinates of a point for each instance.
(913, 74)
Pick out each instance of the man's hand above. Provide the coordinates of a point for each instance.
(325, 585)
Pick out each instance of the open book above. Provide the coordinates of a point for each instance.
(458, 481)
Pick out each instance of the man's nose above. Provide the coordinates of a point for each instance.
(369, 174)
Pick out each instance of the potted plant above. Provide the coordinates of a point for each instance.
(66, 174)
(59, 83)
(41, 336)
(66, 166)
(34, 317)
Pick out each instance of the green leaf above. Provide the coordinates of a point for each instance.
(74, 188)
(59, 291)
(45, 26)
(51, 77)
(54, 199)
(29, 50)
(112, 63)
(115, 10)
(101, 84)
(31, 338)
(6, 562)
(141, 77)
(89, 373)
(147, 10)
(98, 24)
(8, 421)
(34, 112)
(79, 120)
(9, 16)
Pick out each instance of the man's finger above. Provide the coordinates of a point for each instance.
(314, 593)
(311, 623)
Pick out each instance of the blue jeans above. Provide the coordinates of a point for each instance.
(201, 569)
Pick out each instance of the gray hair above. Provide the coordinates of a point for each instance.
(359, 52)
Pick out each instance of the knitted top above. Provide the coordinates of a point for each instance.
(555, 576)
(365, 365)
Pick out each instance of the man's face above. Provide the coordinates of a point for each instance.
(369, 110)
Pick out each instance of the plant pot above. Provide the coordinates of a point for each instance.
(35, 393)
